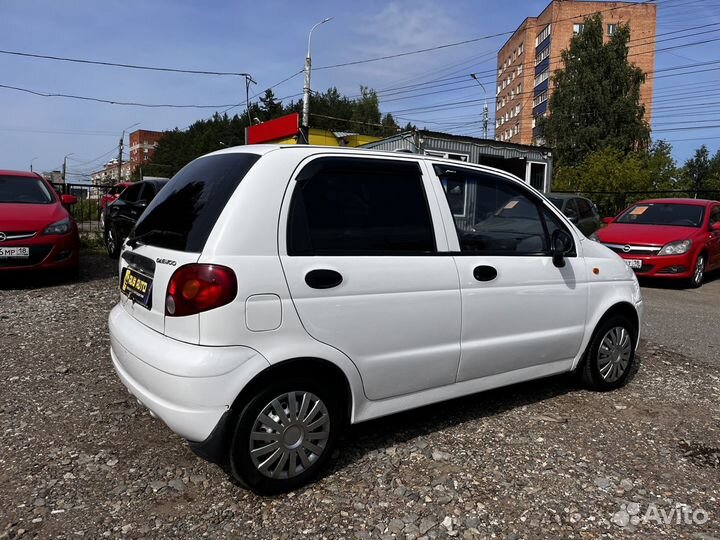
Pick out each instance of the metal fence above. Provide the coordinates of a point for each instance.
(87, 210)
(611, 203)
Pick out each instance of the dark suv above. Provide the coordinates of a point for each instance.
(122, 214)
(581, 211)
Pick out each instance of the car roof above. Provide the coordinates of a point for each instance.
(563, 196)
(27, 174)
(694, 202)
(307, 150)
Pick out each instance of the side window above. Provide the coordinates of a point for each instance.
(571, 209)
(131, 193)
(346, 206)
(715, 215)
(585, 209)
(501, 217)
(147, 193)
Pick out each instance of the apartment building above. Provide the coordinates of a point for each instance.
(528, 59)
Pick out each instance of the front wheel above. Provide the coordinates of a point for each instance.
(698, 273)
(112, 242)
(610, 357)
(284, 436)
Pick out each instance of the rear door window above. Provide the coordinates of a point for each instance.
(132, 193)
(184, 212)
(355, 206)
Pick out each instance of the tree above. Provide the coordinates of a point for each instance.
(270, 106)
(596, 98)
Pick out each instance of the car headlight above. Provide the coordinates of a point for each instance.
(59, 227)
(676, 248)
(594, 237)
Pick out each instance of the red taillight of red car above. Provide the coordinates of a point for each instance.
(194, 288)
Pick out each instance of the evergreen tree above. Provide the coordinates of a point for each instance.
(271, 107)
(596, 98)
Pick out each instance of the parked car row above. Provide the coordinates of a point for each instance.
(675, 239)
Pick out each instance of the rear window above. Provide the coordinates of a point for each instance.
(186, 209)
(678, 215)
(24, 190)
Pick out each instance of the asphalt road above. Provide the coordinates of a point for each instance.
(684, 320)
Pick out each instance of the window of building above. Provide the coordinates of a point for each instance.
(542, 98)
(517, 109)
(542, 55)
(543, 35)
(519, 89)
(520, 69)
(500, 217)
(521, 49)
(534, 122)
(542, 77)
(348, 206)
(578, 28)
(612, 28)
(516, 129)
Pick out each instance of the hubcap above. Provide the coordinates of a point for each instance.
(613, 356)
(699, 269)
(289, 435)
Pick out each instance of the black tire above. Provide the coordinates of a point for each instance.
(112, 242)
(592, 368)
(241, 464)
(696, 281)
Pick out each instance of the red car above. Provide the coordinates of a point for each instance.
(112, 194)
(667, 238)
(36, 230)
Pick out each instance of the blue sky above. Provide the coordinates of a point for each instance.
(268, 40)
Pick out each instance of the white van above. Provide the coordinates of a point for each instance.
(272, 294)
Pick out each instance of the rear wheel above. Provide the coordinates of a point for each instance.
(112, 242)
(610, 357)
(698, 273)
(284, 435)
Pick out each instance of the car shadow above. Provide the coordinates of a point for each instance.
(94, 265)
(360, 439)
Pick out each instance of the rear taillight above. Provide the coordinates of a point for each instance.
(199, 287)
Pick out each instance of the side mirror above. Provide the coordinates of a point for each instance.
(561, 243)
(68, 200)
(607, 220)
(715, 226)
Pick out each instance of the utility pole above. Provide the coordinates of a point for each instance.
(305, 127)
(485, 107)
(64, 167)
(248, 80)
(120, 152)
(31, 164)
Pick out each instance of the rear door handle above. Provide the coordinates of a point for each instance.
(323, 279)
(484, 273)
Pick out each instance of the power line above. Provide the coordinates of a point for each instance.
(111, 101)
(127, 66)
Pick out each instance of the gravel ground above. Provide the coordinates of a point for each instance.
(79, 458)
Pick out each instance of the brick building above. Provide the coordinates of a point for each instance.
(142, 147)
(528, 59)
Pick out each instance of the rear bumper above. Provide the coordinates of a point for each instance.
(189, 387)
(46, 253)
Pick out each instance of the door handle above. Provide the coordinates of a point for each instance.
(484, 273)
(323, 279)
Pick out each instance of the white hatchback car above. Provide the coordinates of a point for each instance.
(272, 294)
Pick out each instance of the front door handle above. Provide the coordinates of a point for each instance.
(323, 279)
(484, 273)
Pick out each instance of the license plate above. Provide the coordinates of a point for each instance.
(635, 264)
(137, 287)
(14, 252)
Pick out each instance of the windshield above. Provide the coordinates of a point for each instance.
(24, 190)
(678, 215)
(184, 212)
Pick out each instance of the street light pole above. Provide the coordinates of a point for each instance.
(305, 128)
(485, 107)
(31, 162)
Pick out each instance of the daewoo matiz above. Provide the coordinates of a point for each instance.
(270, 295)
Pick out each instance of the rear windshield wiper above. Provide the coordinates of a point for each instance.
(134, 240)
